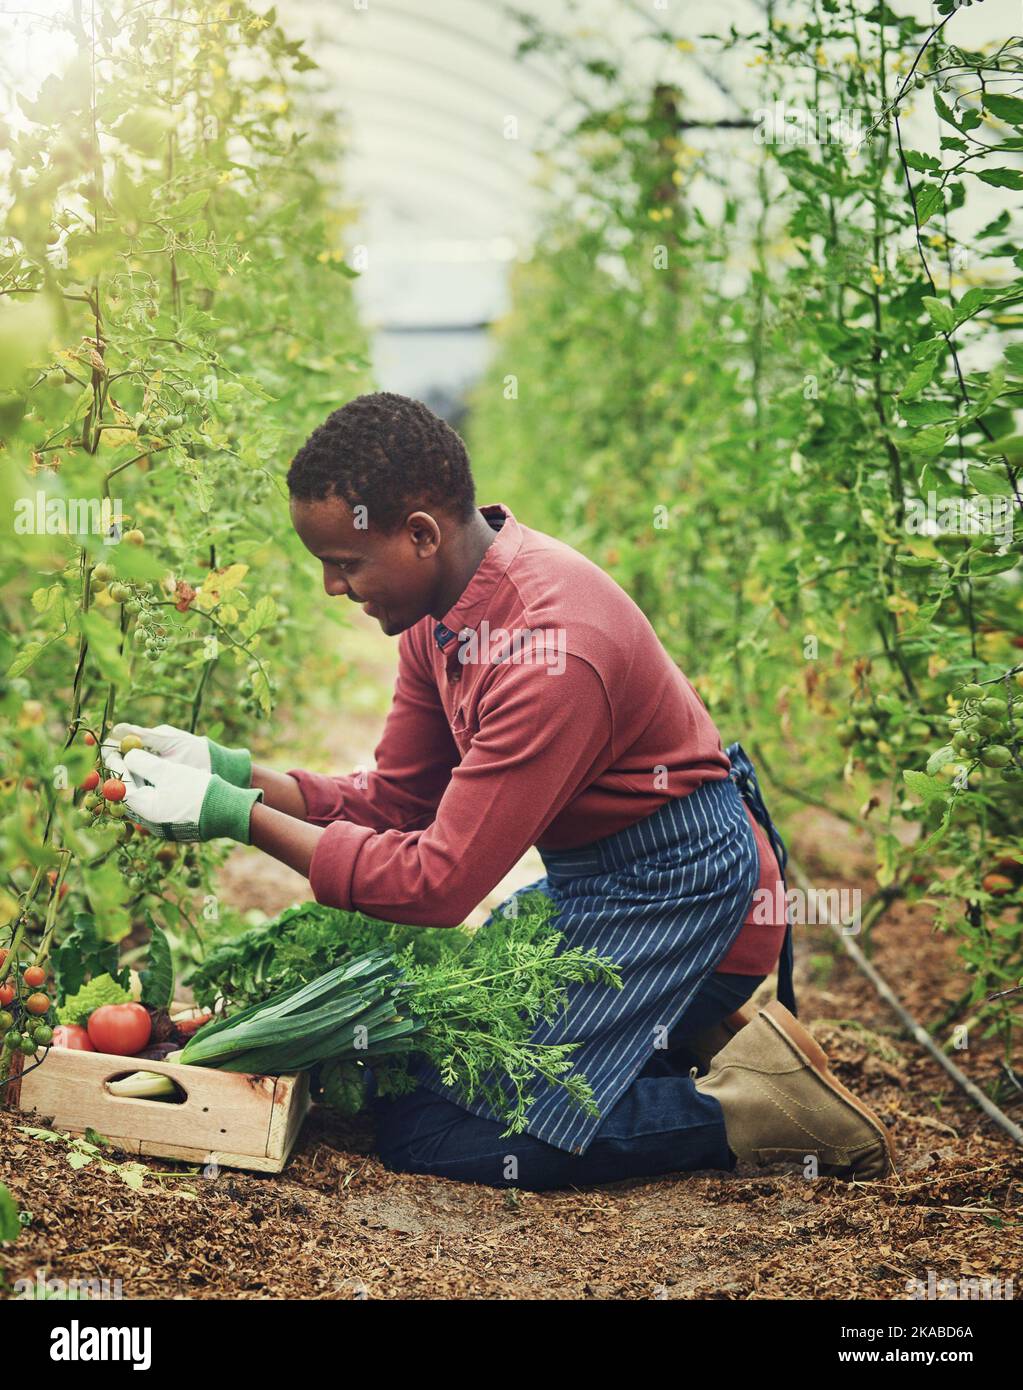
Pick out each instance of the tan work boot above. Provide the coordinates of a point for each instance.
(781, 1102)
(706, 1044)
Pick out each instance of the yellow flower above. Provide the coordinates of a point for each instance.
(684, 46)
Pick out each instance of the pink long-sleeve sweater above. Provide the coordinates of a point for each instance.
(585, 727)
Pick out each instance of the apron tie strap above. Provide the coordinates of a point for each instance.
(743, 774)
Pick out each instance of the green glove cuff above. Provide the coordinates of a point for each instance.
(226, 811)
(234, 765)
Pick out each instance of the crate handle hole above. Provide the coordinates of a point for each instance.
(179, 1096)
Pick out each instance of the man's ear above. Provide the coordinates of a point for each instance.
(424, 532)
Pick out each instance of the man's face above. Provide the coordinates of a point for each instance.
(394, 576)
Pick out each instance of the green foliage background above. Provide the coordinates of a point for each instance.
(737, 415)
(175, 316)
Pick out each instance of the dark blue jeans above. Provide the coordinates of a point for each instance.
(661, 1124)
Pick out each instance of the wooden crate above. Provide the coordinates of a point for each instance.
(231, 1118)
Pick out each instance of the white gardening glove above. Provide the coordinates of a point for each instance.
(176, 802)
(234, 765)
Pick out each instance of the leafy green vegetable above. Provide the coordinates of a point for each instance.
(470, 1011)
(104, 989)
(84, 953)
(158, 977)
(301, 943)
(351, 1011)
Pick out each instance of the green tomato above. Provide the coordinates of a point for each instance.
(27, 1046)
(173, 422)
(996, 755)
(120, 593)
(102, 573)
(6, 1021)
(191, 396)
(43, 1034)
(973, 692)
(994, 705)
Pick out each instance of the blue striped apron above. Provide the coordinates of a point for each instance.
(664, 899)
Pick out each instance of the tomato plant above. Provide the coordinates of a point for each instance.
(772, 386)
(175, 317)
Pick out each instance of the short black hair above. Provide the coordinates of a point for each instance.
(388, 453)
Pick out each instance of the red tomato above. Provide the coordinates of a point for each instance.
(91, 781)
(52, 876)
(114, 789)
(7, 993)
(90, 739)
(38, 1004)
(122, 1029)
(998, 885)
(35, 976)
(70, 1036)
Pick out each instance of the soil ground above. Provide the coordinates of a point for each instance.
(337, 1225)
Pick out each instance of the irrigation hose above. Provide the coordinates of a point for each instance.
(919, 1035)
